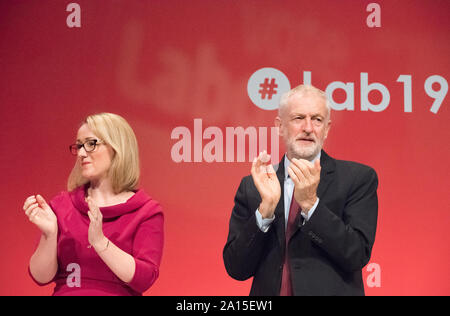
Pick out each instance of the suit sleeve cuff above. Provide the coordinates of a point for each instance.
(263, 223)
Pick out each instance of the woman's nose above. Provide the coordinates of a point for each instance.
(82, 152)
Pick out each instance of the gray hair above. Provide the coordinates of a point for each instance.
(304, 90)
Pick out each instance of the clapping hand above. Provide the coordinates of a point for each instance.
(95, 233)
(306, 178)
(41, 214)
(266, 183)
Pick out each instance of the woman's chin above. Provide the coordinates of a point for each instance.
(87, 175)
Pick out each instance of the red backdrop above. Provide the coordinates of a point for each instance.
(162, 64)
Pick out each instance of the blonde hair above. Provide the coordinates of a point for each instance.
(116, 132)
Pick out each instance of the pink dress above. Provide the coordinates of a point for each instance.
(135, 226)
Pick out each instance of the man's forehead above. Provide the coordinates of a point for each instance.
(306, 104)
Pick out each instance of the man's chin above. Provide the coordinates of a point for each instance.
(305, 153)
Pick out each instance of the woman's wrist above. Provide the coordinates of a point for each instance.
(101, 245)
(50, 235)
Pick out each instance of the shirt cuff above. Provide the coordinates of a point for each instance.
(311, 211)
(263, 223)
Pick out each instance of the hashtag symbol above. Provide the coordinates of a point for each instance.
(268, 89)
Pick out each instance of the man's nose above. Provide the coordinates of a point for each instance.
(307, 126)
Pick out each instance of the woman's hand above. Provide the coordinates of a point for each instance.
(41, 214)
(95, 232)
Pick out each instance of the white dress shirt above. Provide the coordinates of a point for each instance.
(264, 224)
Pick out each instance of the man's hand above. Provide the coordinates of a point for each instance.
(306, 177)
(267, 183)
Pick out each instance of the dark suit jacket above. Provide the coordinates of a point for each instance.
(327, 253)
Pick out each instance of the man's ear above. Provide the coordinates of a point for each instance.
(278, 124)
(327, 128)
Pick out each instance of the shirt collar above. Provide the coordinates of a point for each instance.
(287, 162)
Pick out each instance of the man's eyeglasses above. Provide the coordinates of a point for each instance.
(89, 146)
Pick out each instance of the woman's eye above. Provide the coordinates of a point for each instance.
(91, 143)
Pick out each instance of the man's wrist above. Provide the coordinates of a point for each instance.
(266, 210)
(308, 205)
(310, 212)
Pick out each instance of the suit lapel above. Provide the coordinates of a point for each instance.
(279, 211)
(328, 165)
